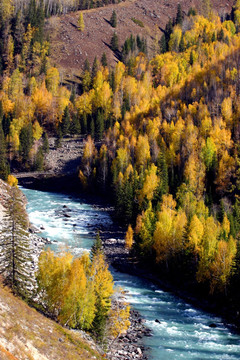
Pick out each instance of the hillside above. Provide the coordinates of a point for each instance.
(33, 336)
(70, 48)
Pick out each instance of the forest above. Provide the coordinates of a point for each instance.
(162, 135)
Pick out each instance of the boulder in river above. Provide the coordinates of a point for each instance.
(66, 215)
(212, 325)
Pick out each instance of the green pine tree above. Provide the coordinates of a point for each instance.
(75, 126)
(65, 124)
(4, 167)
(84, 124)
(45, 143)
(97, 246)
(99, 125)
(179, 17)
(39, 160)
(114, 42)
(163, 44)
(26, 141)
(181, 45)
(16, 255)
(104, 59)
(94, 68)
(113, 20)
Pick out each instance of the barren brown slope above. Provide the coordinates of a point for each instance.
(70, 47)
(26, 334)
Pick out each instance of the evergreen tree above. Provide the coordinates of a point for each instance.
(58, 140)
(94, 68)
(179, 17)
(97, 246)
(192, 12)
(6, 120)
(112, 81)
(181, 45)
(18, 32)
(168, 32)
(92, 128)
(39, 160)
(75, 126)
(73, 95)
(99, 125)
(86, 81)
(114, 42)
(191, 59)
(45, 143)
(40, 22)
(65, 124)
(104, 59)
(132, 43)
(31, 17)
(4, 168)
(163, 173)
(84, 124)
(15, 253)
(86, 66)
(113, 20)
(214, 38)
(26, 141)
(163, 44)
(220, 35)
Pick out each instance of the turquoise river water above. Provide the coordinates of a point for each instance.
(183, 331)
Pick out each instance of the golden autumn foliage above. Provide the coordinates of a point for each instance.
(12, 181)
(119, 316)
(167, 134)
(129, 238)
(73, 290)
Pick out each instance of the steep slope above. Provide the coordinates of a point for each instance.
(70, 47)
(26, 334)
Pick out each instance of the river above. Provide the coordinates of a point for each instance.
(183, 331)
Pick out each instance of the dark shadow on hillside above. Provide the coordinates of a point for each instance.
(71, 166)
(73, 25)
(161, 29)
(117, 53)
(107, 21)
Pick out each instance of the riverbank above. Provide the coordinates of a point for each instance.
(178, 329)
(129, 345)
(122, 260)
(118, 256)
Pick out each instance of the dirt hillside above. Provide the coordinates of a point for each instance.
(70, 47)
(26, 334)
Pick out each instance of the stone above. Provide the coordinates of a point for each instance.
(139, 351)
(212, 325)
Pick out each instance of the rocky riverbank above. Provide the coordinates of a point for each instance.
(129, 346)
(123, 261)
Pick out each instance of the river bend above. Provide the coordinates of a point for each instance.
(182, 332)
